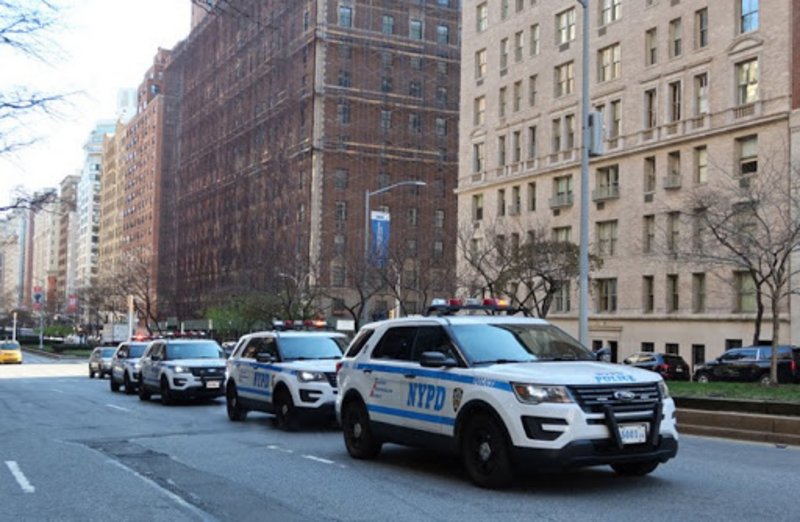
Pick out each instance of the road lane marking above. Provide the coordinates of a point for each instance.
(120, 408)
(318, 459)
(278, 448)
(20, 477)
(57, 390)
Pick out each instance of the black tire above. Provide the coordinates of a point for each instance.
(236, 412)
(358, 437)
(128, 385)
(285, 413)
(166, 393)
(702, 377)
(112, 383)
(765, 379)
(144, 394)
(91, 373)
(485, 453)
(635, 469)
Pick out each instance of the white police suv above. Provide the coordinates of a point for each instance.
(125, 366)
(290, 374)
(507, 393)
(182, 368)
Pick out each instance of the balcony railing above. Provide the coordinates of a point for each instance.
(604, 193)
(561, 200)
(672, 181)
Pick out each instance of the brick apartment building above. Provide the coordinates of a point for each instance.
(689, 90)
(283, 114)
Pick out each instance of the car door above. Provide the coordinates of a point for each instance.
(150, 364)
(118, 362)
(246, 370)
(745, 368)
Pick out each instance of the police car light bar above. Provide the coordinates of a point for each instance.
(451, 306)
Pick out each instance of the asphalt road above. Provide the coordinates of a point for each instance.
(72, 450)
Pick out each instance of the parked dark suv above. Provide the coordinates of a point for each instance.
(751, 363)
(667, 365)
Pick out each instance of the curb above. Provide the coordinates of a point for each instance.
(49, 355)
(774, 429)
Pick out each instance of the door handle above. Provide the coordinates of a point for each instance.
(367, 371)
(409, 376)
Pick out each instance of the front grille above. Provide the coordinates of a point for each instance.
(595, 398)
(208, 372)
(331, 379)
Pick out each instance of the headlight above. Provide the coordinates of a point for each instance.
(137, 366)
(311, 376)
(663, 389)
(180, 369)
(536, 393)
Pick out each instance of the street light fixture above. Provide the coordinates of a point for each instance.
(367, 195)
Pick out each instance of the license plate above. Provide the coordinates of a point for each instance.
(633, 433)
(212, 384)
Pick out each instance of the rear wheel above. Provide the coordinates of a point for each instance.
(358, 437)
(485, 453)
(236, 412)
(114, 385)
(635, 469)
(285, 414)
(166, 393)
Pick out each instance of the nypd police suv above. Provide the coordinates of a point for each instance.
(507, 393)
(178, 368)
(125, 366)
(290, 374)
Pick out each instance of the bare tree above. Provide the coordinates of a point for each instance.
(353, 283)
(748, 220)
(489, 264)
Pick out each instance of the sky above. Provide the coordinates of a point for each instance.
(101, 47)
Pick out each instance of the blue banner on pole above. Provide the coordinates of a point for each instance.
(379, 251)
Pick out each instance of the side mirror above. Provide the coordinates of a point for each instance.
(265, 358)
(436, 360)
(603, 354)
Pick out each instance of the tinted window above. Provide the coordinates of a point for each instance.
(396, 344)
(481, 343)
(9, 345)
(673, 360)
(432, 339)
(311, 347)
(136, 350)
(107, 352)
(195, 350)
(359, 342)
(251, 349)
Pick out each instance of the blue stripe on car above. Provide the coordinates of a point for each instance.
(258, 391)
(427, 417)
(436, 374)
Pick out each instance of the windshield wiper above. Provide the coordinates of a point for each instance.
(562, 358)
(501, 361)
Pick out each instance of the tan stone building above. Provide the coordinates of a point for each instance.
(689, 90)
(112, 197)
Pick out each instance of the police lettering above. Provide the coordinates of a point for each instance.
(261, 380)
(613, 377)
(425, 396)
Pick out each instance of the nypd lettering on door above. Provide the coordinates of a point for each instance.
(426, 396)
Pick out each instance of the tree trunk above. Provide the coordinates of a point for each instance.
(773, 364)
(759, 315)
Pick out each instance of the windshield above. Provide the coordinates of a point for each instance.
(507, 343)
(105, 353)
(204, 350)
(136, 350)
(316, 347)
(9, 345)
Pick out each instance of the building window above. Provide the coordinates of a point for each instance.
(532, 90)
(441, 96)
(345, 16)
(698, 293)
(608, 63)
(516, 147)
(701, 94)
(649, 238)
(748, 155)
(532, 142)
(615, 119)
(502, 101)
(517, 101)
(387, 24)
(438, 249)
(748, 15)
(341, 211)
(337, 275)
(340, 179)
(648, 294)
(651, 46)
(674, 169)
(386, 84)
(561, 299)
(672, 348)
(477, 207)
(701, 164)
(339, 243)
(478, 164)
(438, 218)
(607, 295)
(649, 174)
(501, 150)
(745, 293)
(416, 63)
(415, 89)
(343, 110)
(479, 107)
(531, 197)
(701, 28)
(534, 37)
(562, 234)
(673, 231)
(503, 9)
(650, 347)
(501, 203)
(569, 127)
(675, 101)
(565, 26)
(345, 79)
(441, 127)
(608, 181)
(650, 109)
(480, 64)
(442, 34)
(563, 190)
(516, 203)
(555, 136)
(747, 82)
(565, 79)
(414, 123)
(675, 38)
(415, 29)
(519, 43)
(673, 303)
(606, 238)
(609, 11)
(482, 17)
(503, 53)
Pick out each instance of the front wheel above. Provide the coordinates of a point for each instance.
(91, 373)
(635, 469)
(126, 382)
(765, 380)
(485, 452)
(236, 412)
(144, 394)
(358, 437)
(285, 414)
(166, 393)
(114, 385)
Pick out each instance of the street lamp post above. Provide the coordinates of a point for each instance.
(583, 284)
(367, 195)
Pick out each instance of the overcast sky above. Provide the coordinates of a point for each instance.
(104, 45)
